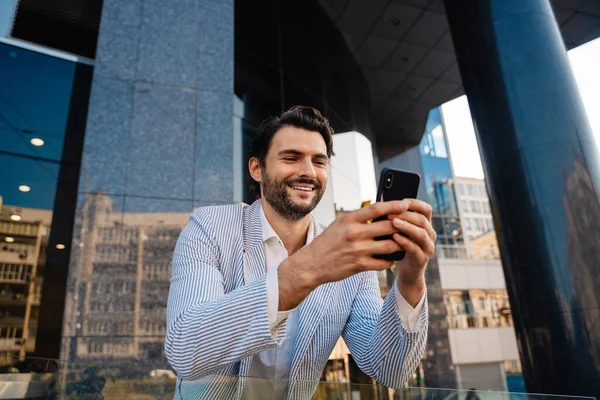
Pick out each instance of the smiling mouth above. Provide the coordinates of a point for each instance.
(303, 189)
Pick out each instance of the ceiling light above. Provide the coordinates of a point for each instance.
(37, 142)
(9, 239)
(60, 246)
(24, 188)
(15, 217)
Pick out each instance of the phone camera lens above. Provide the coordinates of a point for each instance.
(389, 178)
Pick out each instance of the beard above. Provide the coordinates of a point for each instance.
(276, 194)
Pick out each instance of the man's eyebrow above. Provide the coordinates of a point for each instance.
(290, 151)
(299, 153)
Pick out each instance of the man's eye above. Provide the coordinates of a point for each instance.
(321, 163)
(289, 159)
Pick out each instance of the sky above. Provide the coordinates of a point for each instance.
(585, 62)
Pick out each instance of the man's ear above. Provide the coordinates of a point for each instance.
(255, 169)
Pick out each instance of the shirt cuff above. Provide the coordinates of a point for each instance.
(275, 317)
(408, 315)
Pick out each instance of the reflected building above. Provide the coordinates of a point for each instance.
(583, 213)
(119, 283)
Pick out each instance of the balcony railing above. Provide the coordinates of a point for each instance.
(455, 252)
(461, 252)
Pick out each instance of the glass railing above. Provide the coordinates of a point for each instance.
(30, 378)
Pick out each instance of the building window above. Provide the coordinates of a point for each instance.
(458, 309)
(464, 206)
(473, 207)
(95, 348)
(512, 367)
(469, 189)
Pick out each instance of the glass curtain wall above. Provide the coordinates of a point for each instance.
(42, 101)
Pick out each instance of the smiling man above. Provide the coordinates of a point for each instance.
(265, 291)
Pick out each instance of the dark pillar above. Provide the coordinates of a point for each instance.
(542, 170)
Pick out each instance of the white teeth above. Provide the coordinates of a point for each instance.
(302, 188)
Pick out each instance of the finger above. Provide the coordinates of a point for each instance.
(412, 249)
(378, 209)
(420, 207)
(419, 220)
(415, 233)
(375, 229)
(387, 246)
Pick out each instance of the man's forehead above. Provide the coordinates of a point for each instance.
(298, 139)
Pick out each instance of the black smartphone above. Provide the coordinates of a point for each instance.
(395, 184)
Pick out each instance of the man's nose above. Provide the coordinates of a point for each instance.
(307, 169)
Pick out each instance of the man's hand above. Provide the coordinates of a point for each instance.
(419, 244)
(345, 248)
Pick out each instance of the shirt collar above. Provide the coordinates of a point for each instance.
(268, 232)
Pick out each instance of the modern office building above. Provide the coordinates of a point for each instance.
(118, 115)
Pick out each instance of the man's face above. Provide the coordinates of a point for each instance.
(295, 173)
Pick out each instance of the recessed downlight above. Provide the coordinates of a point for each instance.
(37, 142)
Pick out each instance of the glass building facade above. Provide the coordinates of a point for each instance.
(438, 180)
(43, 103)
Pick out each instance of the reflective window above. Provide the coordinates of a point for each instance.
(439, 184)
(36, 126)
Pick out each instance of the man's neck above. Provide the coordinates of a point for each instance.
(292, 233)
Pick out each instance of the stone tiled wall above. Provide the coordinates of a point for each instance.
(159, 142)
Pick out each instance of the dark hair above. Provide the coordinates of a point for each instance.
(303, 117)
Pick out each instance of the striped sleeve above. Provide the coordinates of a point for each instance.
(208, 329)
(377, 339)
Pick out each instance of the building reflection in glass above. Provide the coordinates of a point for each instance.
(120, 272)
